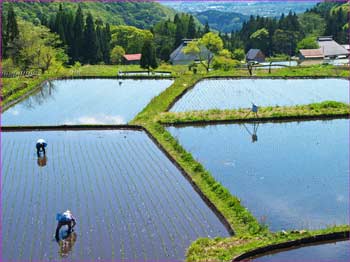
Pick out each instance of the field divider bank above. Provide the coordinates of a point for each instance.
(249, 234)
(323, 110)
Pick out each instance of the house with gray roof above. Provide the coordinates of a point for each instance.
(331, 49)
(255, 55)
(178, 57)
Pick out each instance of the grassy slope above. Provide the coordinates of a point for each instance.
(139, 14)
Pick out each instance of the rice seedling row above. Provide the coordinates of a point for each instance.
(240, 93)
(115, 193)
(128, 205)
(185, 198)
(79, 198)
(174, 197)
(119, 240)
(170, 234)
(129, 175)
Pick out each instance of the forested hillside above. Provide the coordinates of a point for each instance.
(222, 21)
(292, 32)
(139, 14)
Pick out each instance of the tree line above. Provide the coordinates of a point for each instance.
(291, 32)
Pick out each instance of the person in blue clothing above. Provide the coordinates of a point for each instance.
(40, 146)
(65, 219)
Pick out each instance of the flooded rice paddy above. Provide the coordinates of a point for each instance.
(338, 251)
(88, 101)
(292, 175)
(129, 200)
(240, 93)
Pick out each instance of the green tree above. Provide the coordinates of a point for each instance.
(238, 54)
(148, 56)
(38, 48)
(117, 55)
(78, 29)
(260, 40)
(307, 43)
(206, 28)
(312, 24)
(191, 31)
(285, 42)
(11, 34)
(209, 42)
(90, 41)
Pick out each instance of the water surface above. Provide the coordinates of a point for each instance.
(85, 101)
(338, 251)
(240, 93)
(130, 201)
(291, 175)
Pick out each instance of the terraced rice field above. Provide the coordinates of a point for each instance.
(130, 201)
(240, 93)
(338, 251)
(292, 175)
(62, 102)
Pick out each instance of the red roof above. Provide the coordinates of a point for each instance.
(132, 57)
(312, 53)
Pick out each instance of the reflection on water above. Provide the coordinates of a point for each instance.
(130, 201)
(234, 94)
(90, 101)
(42, 161)
(66, 244)
(295, 177)
(254, 131)
(338, 251)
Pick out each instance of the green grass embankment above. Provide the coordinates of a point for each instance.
(249, 233)
(314, 110)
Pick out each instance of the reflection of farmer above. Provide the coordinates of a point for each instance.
(67, 243)
(64, 219)
(42, 160)
(40, 146)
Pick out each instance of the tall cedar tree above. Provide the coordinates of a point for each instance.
(206, 28)
(11, 33)
(90, 41)
(148, 56)
(191, 31)
(179, 33)
(78, 29)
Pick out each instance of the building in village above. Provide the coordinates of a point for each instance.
(329, 50)
(178, 57)
(255, 55)
(131, 59)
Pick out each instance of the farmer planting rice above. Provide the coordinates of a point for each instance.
(65, 219)
(40, 146)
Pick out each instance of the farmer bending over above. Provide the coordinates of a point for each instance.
(40, 146)
(64, 219)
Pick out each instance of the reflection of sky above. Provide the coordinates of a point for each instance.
(97, 119)
(89, 101)
(229, 94)
(338, 251)
(295, 176)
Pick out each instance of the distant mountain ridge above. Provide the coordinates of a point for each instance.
(222, 21)
(140, 14)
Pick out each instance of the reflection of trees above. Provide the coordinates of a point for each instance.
(43, 93)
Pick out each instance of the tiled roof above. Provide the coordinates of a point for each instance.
(312, 53)
(332, 48)
(132, 57)
(179, 55)
(252, 53)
